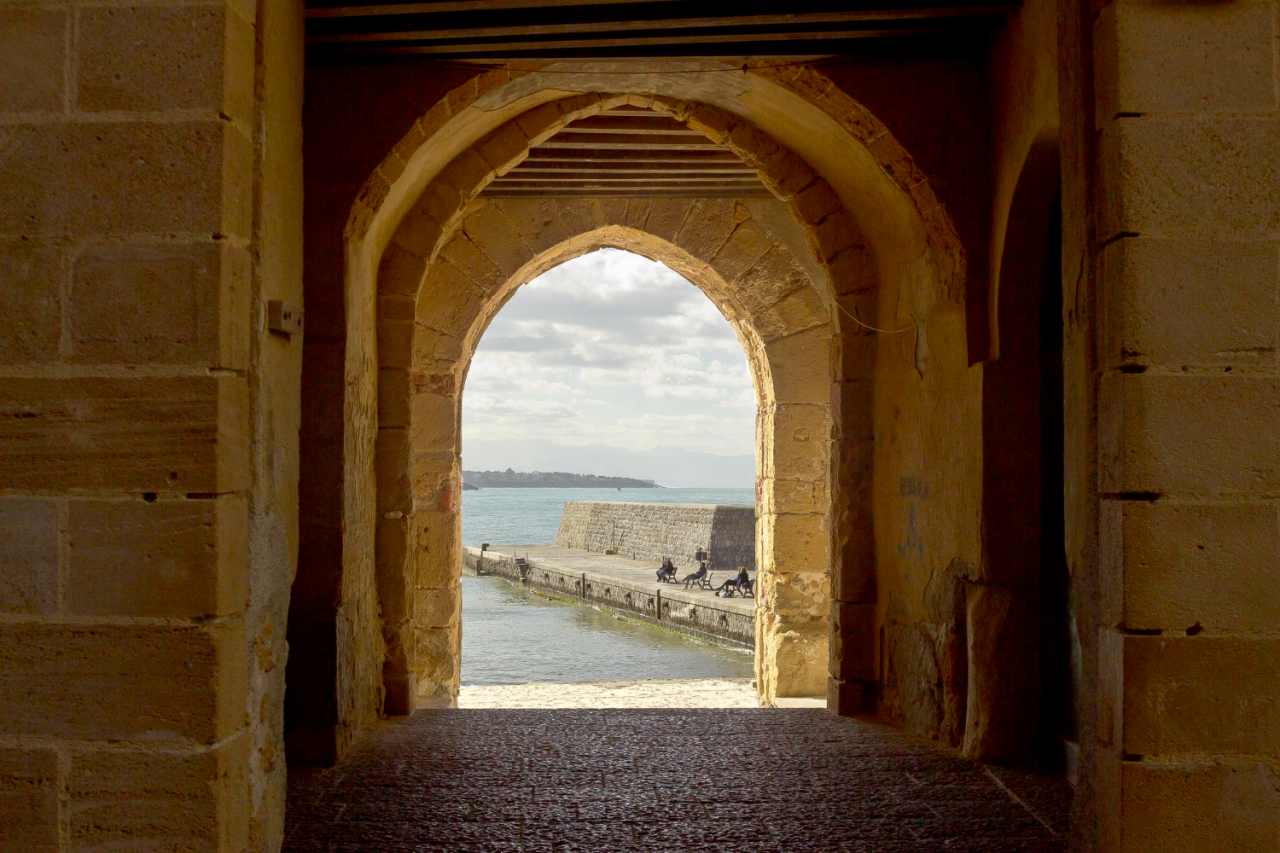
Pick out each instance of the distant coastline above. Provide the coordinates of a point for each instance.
(510, 479)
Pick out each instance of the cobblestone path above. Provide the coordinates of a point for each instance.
(689, 779)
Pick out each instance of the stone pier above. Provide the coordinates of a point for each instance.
(620, 583)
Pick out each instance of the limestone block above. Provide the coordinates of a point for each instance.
(148, 683)
(435, 660)
(393, 547)
(1207, 566)
(504, 149)
(30, 300)
(798, 311)
(746, 245)
(835, 234)
(488, 225)
(707, 227)
(1188, 434)
(1001, 712)
(126, 178)
(666, 217)
(436, 558)
(468, 174)
(170, 800)
(138, 435)
(853, 642)
(393, 397)
(148, 58)
(802, 367)
(816, 202)
(438, 608)
(434, 349)
(28, 556)
(395, 343)
(165, 558)
(471, 261)
(404, 261)
(167, 304)
(1199, 806)
(801, 448)
(1201, 695)
(448, 301)
(802, 596)
(771, 278)
(32, 56)
(856, 361)
(1191, 302)
(434, 422)
(795, 496)
(801, 545)
(1154, 58)
(1202, 178)
(797, 659)
(391, 465)
(854, 270)
(29, 786)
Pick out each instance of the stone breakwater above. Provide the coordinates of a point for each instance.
(651, 531)
(620, 584)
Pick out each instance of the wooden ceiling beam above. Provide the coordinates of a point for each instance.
(424, 27)
(654, 169)
(630, 192)
(512, 179)
(628, 142)
(626, 124)
(701, 155)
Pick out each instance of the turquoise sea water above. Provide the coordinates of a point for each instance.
(513, 636)
(532, 516)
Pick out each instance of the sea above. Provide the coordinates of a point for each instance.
(511, 635)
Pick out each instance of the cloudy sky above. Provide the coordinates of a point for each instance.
(611, 364)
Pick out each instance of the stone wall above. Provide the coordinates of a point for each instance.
(653, 531)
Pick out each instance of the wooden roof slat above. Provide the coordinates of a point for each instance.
(654, 169)
(602, 141)
(631, 192)
(438, 29)
(702, 155)
(627, 124)
(512, 179)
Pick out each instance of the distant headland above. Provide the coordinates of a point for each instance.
(510, 479)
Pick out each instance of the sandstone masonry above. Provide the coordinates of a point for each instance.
(654, 531)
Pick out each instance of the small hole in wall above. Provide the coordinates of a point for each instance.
(149, 497)
(1194, 629)
(173, 476)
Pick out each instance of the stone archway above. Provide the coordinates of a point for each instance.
(891, 261)
(771, 301)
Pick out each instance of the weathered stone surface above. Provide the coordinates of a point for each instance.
(30, 297)
(1002, 682)
(1200, 805)
(906, 795)
(28, 556)
(167, 800)
(654, 531)
(1193, 566)
(32, 45)
(1201, 694)
(167, 558)
(29, 790)
(144, 683)
(137, 435)
(147, 304)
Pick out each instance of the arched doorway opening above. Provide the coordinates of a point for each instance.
(893, 265)
(605, 374)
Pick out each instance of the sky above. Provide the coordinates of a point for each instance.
(612, 364)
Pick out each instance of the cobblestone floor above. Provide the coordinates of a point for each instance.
(688, 779)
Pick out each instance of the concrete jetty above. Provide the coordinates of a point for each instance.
(623, 584)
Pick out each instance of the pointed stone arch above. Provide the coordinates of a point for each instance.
(869, 229)
(770, 299)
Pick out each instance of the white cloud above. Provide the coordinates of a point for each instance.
(610, 350)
